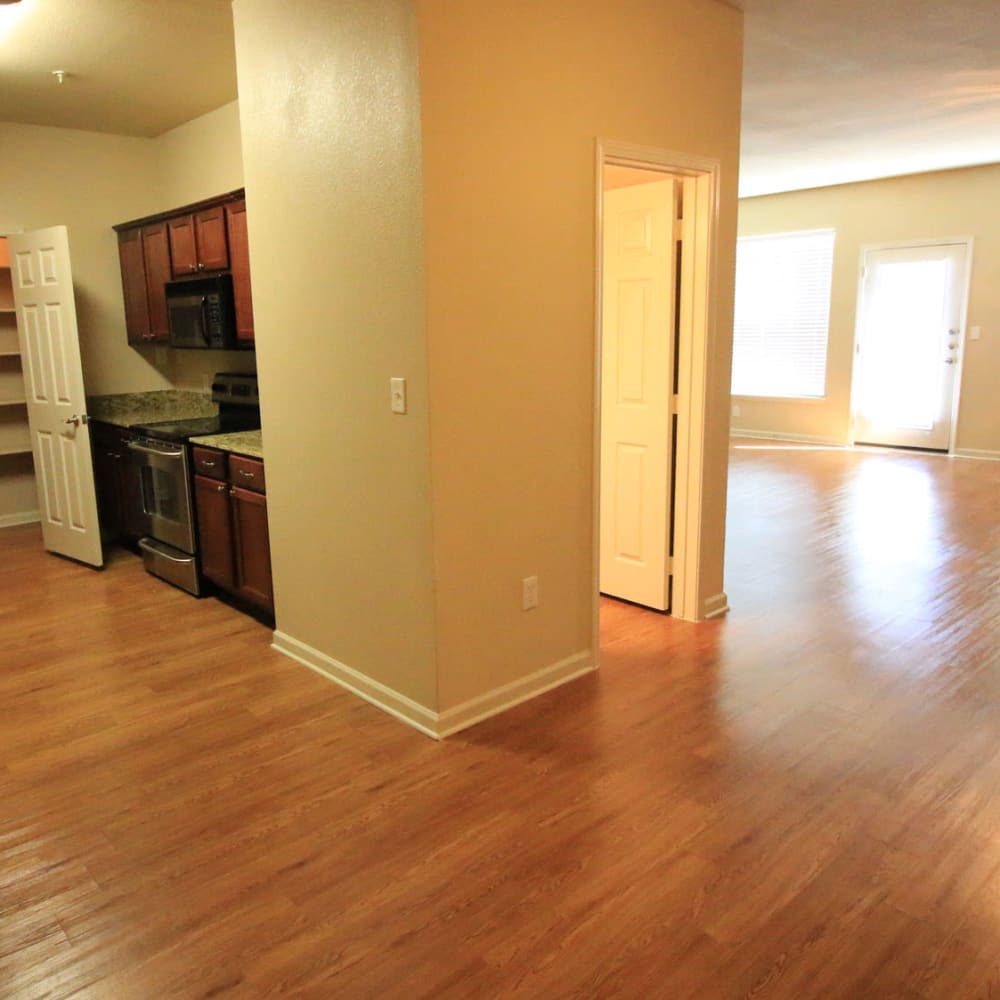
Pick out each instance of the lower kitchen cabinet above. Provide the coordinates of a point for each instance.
(118, 485)
(232, 525)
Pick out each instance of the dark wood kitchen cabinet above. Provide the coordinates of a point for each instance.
(144, 256)
(208, 237)
(239, 265)
(118, 485)
(215, 530)
(198, 242)
(232, 525)
(133, 270)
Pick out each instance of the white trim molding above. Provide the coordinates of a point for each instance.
(24, 517)
(980, 453)
(741, 432)
(697, 341)
(715, 607)
(437, 725)
(452, 720)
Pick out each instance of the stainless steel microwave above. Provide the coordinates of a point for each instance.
(200, 313)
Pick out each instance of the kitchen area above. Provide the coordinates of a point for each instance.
(179, 473)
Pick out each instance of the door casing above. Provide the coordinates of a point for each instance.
(698, 321)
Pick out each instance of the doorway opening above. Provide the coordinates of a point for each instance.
(656, 225)
(908, 344)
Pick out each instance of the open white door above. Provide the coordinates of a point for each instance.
(908, 345)
(53, 377)
(637, 388)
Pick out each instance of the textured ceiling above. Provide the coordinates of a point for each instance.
(859, 89)
(833, 91)
(134, 67)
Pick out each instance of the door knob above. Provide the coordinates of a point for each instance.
(74, 420)
(949, 361)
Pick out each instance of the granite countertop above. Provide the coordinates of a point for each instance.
(237, 442)
(128, 408)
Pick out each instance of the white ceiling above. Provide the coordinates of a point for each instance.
(134, 67)
(833, 91)
(857, 89)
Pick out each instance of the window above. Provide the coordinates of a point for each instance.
(782, 314)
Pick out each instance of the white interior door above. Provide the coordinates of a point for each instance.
(908, 345)
(637, 351)
(53, 377)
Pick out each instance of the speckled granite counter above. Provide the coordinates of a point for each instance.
(239, 443)
(128, 408)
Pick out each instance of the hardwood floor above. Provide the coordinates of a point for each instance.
(801, 800)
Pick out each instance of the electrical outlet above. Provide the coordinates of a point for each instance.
(529, 593)
(736, 409)
(975, 332)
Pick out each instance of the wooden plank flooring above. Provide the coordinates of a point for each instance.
(799, 801)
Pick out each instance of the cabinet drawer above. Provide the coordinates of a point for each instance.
(246, 472)
(208, 462)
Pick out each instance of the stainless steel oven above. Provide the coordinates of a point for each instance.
(164, 475)
(160, 451)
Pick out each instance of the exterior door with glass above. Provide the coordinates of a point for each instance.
(909, 345)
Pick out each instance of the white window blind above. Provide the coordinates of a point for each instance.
(782, 314)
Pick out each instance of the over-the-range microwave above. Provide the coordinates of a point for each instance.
(201, 314)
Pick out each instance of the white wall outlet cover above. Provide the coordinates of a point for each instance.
(529, 593)
(975, 332)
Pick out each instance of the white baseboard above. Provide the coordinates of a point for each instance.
(498, 700)
(431, 723)
(715, 607)
(794, 438)
(25, 517)
(988, 456)
(383, 697)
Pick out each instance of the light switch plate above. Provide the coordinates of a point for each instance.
(397, 395)
(975, 332)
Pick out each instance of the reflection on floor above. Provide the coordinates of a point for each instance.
(800, 800)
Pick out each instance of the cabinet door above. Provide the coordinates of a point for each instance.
(107, 456)
(156, 254)
(239, 262)
(210, 238)
(134, 285)
(183, 249)
(215, 530)
(253, 552)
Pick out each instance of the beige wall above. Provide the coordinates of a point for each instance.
(474, 181)
(331, 148)
(86, 181)
(513, 98)
(89, 181)
(925, 206)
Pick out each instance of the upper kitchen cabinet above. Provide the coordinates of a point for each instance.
(144, 256)
(210, 236)
(239, 259)
(198, 242)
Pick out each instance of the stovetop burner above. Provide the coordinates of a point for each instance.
(235, 393)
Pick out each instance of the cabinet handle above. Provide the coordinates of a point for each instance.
(206, 464)
(221, 488)
(247, 475)
(201, 267)
(192, 267)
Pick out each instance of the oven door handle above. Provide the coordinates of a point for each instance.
(143, 450)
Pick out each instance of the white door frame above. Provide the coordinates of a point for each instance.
(969, 243)
(698, 324)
